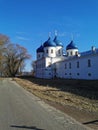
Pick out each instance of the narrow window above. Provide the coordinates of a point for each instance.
(58, 51)
(51, 50)
(76, 53)
(89, 63)
(46, 51)
(69, 65)
(71, 53)
(39, 55)
(78, 64)
(65, 66)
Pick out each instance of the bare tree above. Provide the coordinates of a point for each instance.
(12, 57)
(15, 57)
(33, 64)
(4, 40)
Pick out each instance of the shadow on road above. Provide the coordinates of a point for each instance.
(26, 127)
(91, 122)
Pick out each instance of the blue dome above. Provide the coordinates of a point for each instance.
(71, 45)
(49, 43)
(58, 43)
(40, 49)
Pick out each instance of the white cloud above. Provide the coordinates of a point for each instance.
(22, 38)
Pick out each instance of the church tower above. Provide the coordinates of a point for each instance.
(59, 46)
(71, 49)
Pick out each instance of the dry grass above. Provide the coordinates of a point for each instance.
(80, 94)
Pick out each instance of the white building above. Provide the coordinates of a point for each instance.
(53, 62)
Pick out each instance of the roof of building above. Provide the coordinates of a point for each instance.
(40, 49)
(49, 43)
(86, 53)
(58, 43)
(71, 45)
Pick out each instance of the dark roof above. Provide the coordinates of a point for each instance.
(71, 45)
(40, 49)
(49, 43)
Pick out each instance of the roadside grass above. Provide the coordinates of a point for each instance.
(77, 93)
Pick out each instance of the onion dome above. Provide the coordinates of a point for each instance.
(40, 49)
(58, 43)
(71, 45)
(49, 43)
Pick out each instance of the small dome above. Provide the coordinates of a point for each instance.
(71, 45)
(49, 43)
(58, 43)
(40, 49)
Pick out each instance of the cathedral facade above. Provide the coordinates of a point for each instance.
(53, 62)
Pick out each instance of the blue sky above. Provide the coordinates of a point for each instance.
(28, 22)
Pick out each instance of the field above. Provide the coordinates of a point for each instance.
(78, 98)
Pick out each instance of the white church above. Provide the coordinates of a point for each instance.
(53, 62)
